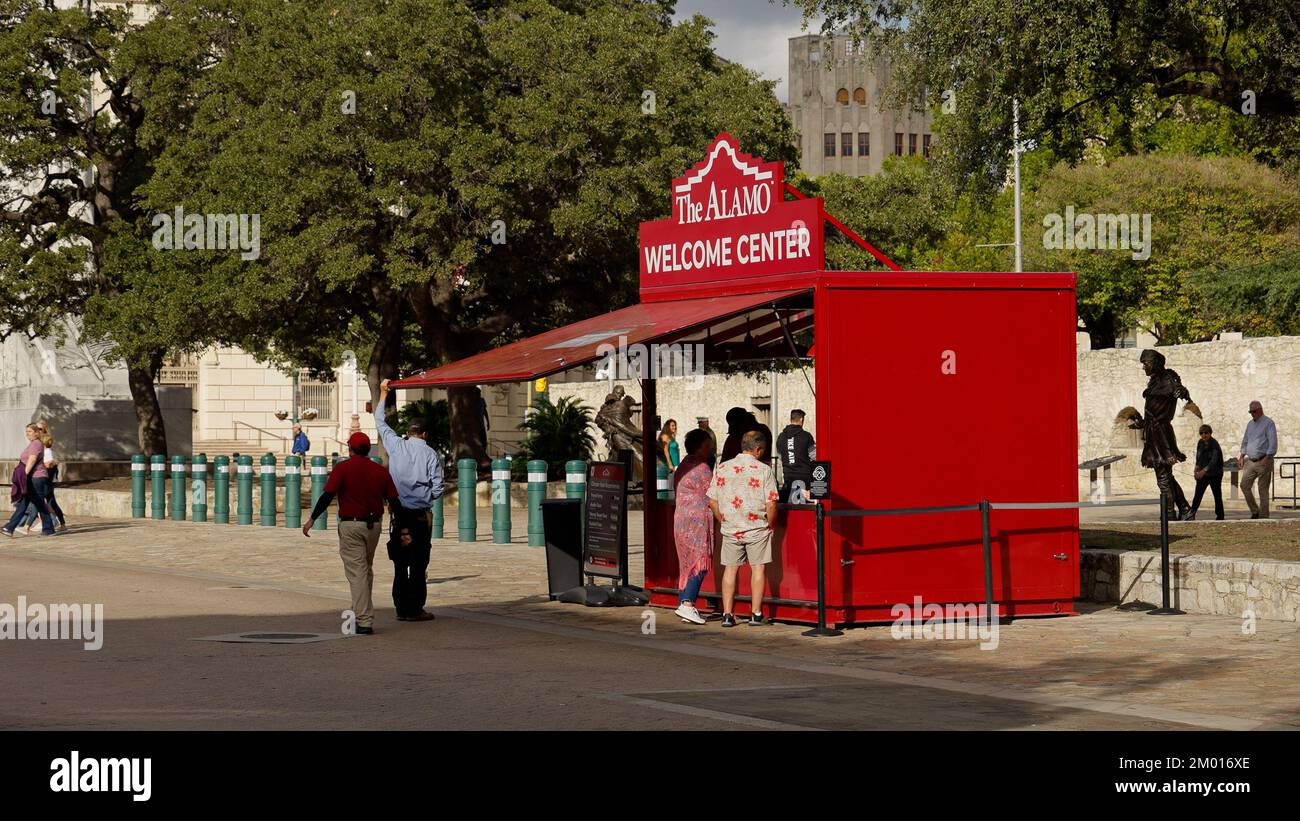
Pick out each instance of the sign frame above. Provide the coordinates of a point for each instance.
(606, 496)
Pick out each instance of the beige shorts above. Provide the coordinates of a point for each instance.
(756, 549)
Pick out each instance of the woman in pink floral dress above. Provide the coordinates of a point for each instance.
(693, 522)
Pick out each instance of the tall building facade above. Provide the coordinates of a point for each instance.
(834, 101)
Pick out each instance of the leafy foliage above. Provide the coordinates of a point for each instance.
(1089, 74)
(557, 432)
(435, 416)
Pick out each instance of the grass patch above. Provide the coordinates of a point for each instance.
(1274, 539)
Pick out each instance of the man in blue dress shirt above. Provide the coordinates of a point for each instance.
(1258, 447)
(417, 473)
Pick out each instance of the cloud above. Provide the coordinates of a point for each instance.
(754, 33)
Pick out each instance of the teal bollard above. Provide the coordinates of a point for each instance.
(501, 501)
(318, 478)
(158, 469)
(377, 460)
(334, 459)
(536, 493)
(199, 488)
(436, 531)
(244, 490)
(138, 470)
(575, 479)
(466, 479)
(663, 482)
(178, 488)
(221, 490)
(266, 484)
(293, 492)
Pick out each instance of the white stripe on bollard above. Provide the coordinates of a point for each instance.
(499, 475)
(245, 468)
(663, 484)
(138, 466)
(291, 470)
(178, 468)
(223, 468)
(318, 470)
(576, 478)
(537, 477)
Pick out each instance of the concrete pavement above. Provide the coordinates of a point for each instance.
(501, 655)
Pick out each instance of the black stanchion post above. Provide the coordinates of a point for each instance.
(985, 507)
(821, 629)
(1166, 608)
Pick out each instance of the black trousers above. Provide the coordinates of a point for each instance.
(1214, 483)
(410, 561)
(1170, 488)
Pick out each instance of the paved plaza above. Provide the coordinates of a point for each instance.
(501, 655)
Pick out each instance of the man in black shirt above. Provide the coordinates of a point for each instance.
(1209, 472)
(796, 450)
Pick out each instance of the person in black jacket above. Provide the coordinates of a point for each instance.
(1209, 472)
(796, 450)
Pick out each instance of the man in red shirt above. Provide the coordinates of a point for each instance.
(362, 487)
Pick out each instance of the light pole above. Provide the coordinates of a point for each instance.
(1017, 148)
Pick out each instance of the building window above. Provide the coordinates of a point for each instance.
(864, 144)
(898, 142)
(842, 96)
(829, 145)
(925, 145)
(860, 95)
(911, 143)
(846, 143)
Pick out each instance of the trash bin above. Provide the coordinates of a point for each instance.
(562, 525)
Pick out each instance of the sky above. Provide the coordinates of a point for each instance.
(754, 33)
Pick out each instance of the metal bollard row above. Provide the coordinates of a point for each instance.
(157, 468)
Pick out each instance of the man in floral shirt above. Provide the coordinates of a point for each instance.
(743, 498)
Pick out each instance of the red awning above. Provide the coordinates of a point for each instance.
(576, 344)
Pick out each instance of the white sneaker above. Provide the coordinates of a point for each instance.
(688, 613)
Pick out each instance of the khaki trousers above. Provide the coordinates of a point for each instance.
(357, 549)
(1256, 469)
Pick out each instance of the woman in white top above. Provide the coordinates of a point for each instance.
(52, 466)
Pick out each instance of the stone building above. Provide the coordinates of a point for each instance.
(834, 95)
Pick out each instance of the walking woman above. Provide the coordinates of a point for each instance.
(693, 522)
(668, 452)
(33, 477)
(51, 464)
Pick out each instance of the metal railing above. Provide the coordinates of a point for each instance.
(985, 508)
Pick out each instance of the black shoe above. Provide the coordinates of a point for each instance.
(757, 620)
(423, 615)
(1191, 516)
(728, 620)
(365, 631)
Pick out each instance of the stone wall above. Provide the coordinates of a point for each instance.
(1198, 584)
(1223, 377)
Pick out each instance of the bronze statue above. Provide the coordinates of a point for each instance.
(1159, 445)
(615, 419)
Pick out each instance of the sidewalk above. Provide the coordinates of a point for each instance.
(1102, 661)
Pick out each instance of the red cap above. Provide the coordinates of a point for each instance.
(358, 439)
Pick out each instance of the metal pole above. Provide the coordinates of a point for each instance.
(989, 612)
(821, 629)
(1015, 155)
(1165, 608)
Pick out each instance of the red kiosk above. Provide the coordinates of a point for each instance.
(932, 390)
